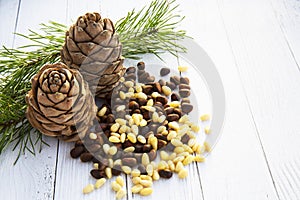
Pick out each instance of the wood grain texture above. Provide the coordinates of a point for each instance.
(255, 46)
(73, 175)
(236, 169)
(33, 176)
(288, 18)
(271, 81)
(7, 26)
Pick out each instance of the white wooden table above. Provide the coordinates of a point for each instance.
(255, 46)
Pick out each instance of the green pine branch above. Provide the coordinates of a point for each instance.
(149, 30)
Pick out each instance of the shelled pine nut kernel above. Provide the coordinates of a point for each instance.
(144, 132)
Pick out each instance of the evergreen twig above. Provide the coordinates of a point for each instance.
(150, 30)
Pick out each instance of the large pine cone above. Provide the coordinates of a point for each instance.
(60, 103)
(92, 46)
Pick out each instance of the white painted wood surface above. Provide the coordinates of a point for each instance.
(255, 46)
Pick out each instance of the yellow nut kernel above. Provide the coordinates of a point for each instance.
(114, 139)
(155, 175)
(175, 104)
(171, 135)
(122, 95)
(108, 172)
(136, 180)
(207, 147)
(162, 165)
(155, 94)
(155, 117)
(146, 191)
(207, 130)
(189, 159)
(179, 150)
(102, 111)
(183, 173)
(93, 136)
(135, 173)
(173, 125)
(121, 194)
(145, 159)
(149, 169)
(131, 137)
(117, 162)
(129, 84)
(106, 148)
(99, 183)
(115, 127)
(122, 137)
(166, 90)
(150, 102)
(136, 189)
(182, 68)
(162, 118)
(146, 183)
(143, 122)
(141, 139)
(120, 181)
(112, 150)
(205, 117)
(129, 149)
(88, 189)
(176, 142)
(199, 158)
(96, 165)
(179, 166)
(146, 177)
(164, 155)
(171, 165)
(126, 169)
(141, 95)
(154, 143)
(116, 186)
(183, 119)
(195, 128)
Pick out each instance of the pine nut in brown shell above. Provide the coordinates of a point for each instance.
(164, 71)
(184, 92)
(171, 85)
(97, 174)
(86, 157)
(172, 117)
(77, 151)
(131, 162)
(184, 86)
(130, 70)
(185, 80)
(175, 80)
(186, 107)
(141, 65)
(165, 174)
(162, 99)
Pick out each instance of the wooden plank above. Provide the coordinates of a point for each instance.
(33, 176)
(236, 169)
(174, 188)
(73, 175)
(287, 15)
(8, 13)
(270, 77)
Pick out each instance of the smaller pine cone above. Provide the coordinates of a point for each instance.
(60, 103)
(92, 46)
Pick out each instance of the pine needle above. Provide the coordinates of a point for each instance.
(149, 30)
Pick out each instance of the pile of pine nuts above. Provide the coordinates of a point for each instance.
(145, 132)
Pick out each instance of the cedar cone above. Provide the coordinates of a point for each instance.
(92, 47)
(60, 103)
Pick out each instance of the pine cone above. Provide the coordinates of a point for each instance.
(60, 103)
(92, 46)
